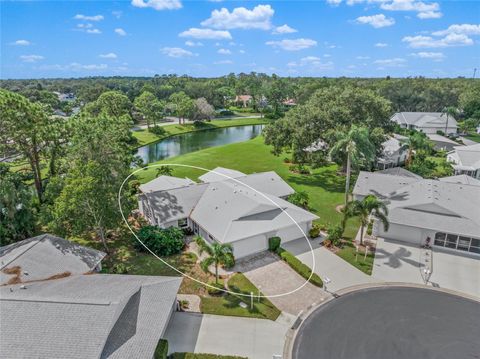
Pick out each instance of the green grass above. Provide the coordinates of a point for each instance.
(347, 253)
(473, 136)
(202, 356)
(229, 304)
(145, 137)
(325, 187)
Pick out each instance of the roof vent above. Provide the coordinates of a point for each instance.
(23, 286)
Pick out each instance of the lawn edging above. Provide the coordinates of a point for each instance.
(298, 266)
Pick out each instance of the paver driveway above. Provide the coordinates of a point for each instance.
(400, 262)
(216, 334)
(273, 276)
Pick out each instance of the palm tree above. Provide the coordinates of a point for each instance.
(417, 141)
(355, 148)
(218, 253)
(449, 111)
(368, 207)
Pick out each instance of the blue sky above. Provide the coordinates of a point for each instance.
(213, 38)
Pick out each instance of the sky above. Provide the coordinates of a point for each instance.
(363, 38)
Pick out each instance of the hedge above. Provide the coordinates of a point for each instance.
(299, 267)
(203, 356)
(161, 351)
(274, 244)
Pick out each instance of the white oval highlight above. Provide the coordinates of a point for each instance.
(194, 279)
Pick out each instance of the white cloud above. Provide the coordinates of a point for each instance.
(241, 51)
(377, 21)
(93, 31)
(241, 18)
(429, 15)
(158, 4)
(409, 5)
(120, 31)
(193, 43)
(362, 57)
(21, 43)
(436, 56)
(74, 66)
(88, 18)
(176, 52)
(110, 55)
(312, 63)
(284, 29)
(447, 41)
(117, 14)
(224, 51)
(395, 62)
(223, 62)
(31, 58)
(207, 34)
(466, 29)
(293, 44)
(85, 25)
(381, 44)
(334, 2)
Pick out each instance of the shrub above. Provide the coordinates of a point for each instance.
(161, 351)
(226, 113)
(370, 228)
(299, 199)
(299, 267)
(301, 169)
(274, 243)
(157, 130)
(440, 132)
(287, 160)
(335, 233)
(314, 231)
(217, 289)
(229, 261)
(163, 242)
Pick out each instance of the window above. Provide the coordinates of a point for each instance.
(463, 243)
(440, 239)
(182, 223)
(451, 241)
(475, 245)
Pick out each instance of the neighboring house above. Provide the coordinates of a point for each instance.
(441, 142)
(245, 211)
(444, 210)
(394, 152)
(243, 100)
(427, 122)
(466, 160)
(164, 183)
(381, 183)
(47, 256)
(54, 305)
(461, 179)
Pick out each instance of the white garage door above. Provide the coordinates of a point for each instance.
(249, 246)
(293, 232)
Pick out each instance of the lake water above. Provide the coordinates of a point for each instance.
(194, 141)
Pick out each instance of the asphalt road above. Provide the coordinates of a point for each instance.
(393, 323)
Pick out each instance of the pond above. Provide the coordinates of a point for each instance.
(194, 141)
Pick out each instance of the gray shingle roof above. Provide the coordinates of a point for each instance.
(462, 179)
(379, 183)
(399, 171)
(424, 119)
(86, 316)
(44, 256)
(466, 157)
(217, 175)
(165, 183)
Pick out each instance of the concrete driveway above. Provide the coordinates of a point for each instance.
(399, 262)
(214, 334)
(327, 264)
(273, 276)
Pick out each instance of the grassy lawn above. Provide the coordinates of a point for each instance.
(144, 136)
(229, 304)
(202, 356)
(348, 254)
(324, 186)
(473, 136)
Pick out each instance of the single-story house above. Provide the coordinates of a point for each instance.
(445, 211)
(466, 160)
(441, 142)
(244, 211)
(58, 307)
(45, 257)
(426, 122)
(394, 152)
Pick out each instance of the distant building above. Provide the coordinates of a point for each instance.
(394, 152)
(66, 96)
(441, 142)
(426, 122)
(243, 100)
(52, 306)
(466, 160)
